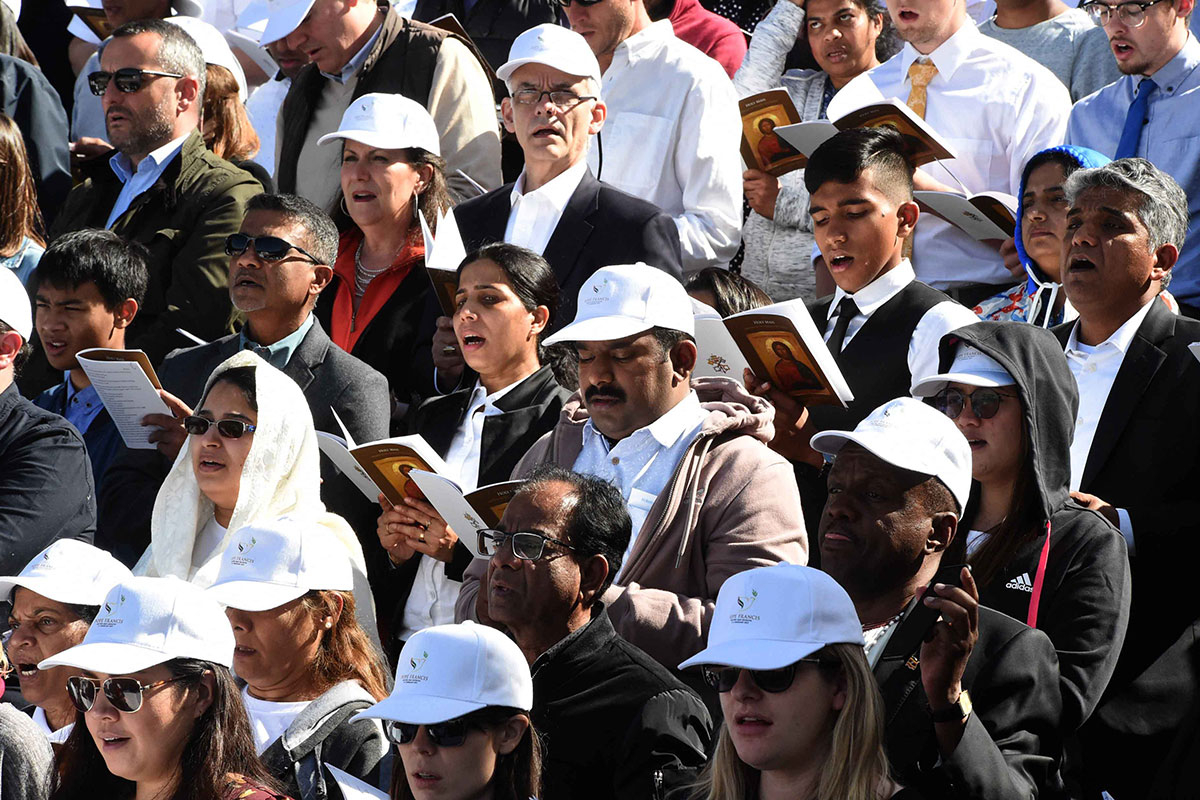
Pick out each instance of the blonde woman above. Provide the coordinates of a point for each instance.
(803, 715)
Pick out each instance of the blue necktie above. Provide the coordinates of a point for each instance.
(1135, 119)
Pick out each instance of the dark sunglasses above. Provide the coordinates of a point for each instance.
(567, 3)
(984, 402)
(125, 694)
(128, 79)
(268, 248)
(526, 546)
(772, 681)
(228, 428)
(451, 733)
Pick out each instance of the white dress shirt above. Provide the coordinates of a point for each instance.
(535, 214)
(56, 737)
(936, 322)
(263, 109)
(995, 107)
(1095, 368)
(672, 138)
(138, 180)
(463, 455)
(642, 463)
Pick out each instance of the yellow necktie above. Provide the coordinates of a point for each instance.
(920, 74)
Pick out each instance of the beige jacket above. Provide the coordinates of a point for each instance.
(732, 504)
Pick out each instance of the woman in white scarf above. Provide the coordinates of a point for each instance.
(280, 474)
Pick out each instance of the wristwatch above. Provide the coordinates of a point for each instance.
(956, 712)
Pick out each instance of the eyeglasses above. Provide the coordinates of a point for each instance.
(526, 546)
(128, 79)
(125, 694)
(562, 98)
(984, 402)
(451, 733)
(268, 248)
(773, 681)
(1131, 14)
(228, 428)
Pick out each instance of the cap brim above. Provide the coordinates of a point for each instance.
(254, 595)
(509, 67)
(113, 658)
(599, 329)
(57, 590)
(932, 385)
(285, 20)
(753, 654)
(419, 709)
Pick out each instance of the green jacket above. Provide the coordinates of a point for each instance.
(182, 220)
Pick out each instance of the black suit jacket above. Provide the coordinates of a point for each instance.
(330, 379)
(1011, 747)
(601, 226)
(1144, 459)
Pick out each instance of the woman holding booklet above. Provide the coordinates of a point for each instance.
(379, 306)
(844, 38)
(506, 297)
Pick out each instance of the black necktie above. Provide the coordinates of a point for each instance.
(847, 310)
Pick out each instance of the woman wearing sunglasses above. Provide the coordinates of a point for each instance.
(287, 587)
(380, 307)
(52, 602)
(1037, 555)
(459, 717)
(803, 715)
(158, 712)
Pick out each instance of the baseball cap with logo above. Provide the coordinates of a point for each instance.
(147, 621)
(15, 309)
(554, 46)
(69, 571)
(910, 435)
(770, 617)
(626, 299)
(447, 671)
(272, 562)
(283, 17)
(389, 121)
(972, 367)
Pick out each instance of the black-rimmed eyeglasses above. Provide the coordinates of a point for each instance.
(1132, 14)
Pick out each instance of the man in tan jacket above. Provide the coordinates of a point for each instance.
(707, 498)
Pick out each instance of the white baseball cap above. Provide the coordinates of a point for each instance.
(447, 671)
(214, 47)
(389, 121)
(69, 571)
(554, 46)
(272, 562)
(15, 309)
(972, 367)
(770, 617)
(283, 17)
(146, 621)
(626, 299)
(910, 435)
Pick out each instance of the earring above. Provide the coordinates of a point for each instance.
(416, 204)
(328, 624)
(344, 208)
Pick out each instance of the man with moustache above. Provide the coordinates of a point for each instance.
(707, 497)
(1157, 97)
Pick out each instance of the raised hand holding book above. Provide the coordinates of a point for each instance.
(443, 254)
(762, 148)
(128, 387)
(466, 514)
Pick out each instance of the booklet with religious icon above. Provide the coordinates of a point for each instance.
(381, 467)
(987, 215)
(95, 18)
(762, 149)
(443, 253)
(923, 143)
(782, 344)
(719, 356)
(128, 387)
(469, 513)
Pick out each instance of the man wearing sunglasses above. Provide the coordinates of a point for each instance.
(162, 188)
(1153, 110)
(616, 723)
(972, 698)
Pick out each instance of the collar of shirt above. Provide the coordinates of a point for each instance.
(1121, 338)
(665, 430)
(81, 406)
(556, 192)
(353, 65)
(479, 398)
(949, 55)
(279, 354)
(151, 166)
(643, 44)
(870, 297)
(1175, 72)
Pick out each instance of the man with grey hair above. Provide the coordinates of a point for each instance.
(1133, 458)
(162, 188)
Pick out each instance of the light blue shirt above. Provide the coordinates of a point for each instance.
(352, 66)
(1170, 140)
(641, 464)
(82, 406)
(279, 354)
(138, 180)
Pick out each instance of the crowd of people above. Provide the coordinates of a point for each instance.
(499, 228)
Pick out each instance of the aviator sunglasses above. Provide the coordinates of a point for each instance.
(127, 79)
(125, 694)
(451, 733)
(228, 428)
(268, 248)
(984, 402)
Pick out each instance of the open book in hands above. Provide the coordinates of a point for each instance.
(984, 216)
(922, 143)
(128, 387)
(381, 467)
(762, 148)
(466, 514)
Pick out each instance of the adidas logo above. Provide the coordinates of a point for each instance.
(1021, 583)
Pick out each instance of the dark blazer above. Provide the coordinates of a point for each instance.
(330, 379)
(103, 440)
(601, 226)
(1011, 746)
(1144, 459)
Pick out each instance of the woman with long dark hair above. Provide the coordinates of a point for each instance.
(21, 228)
